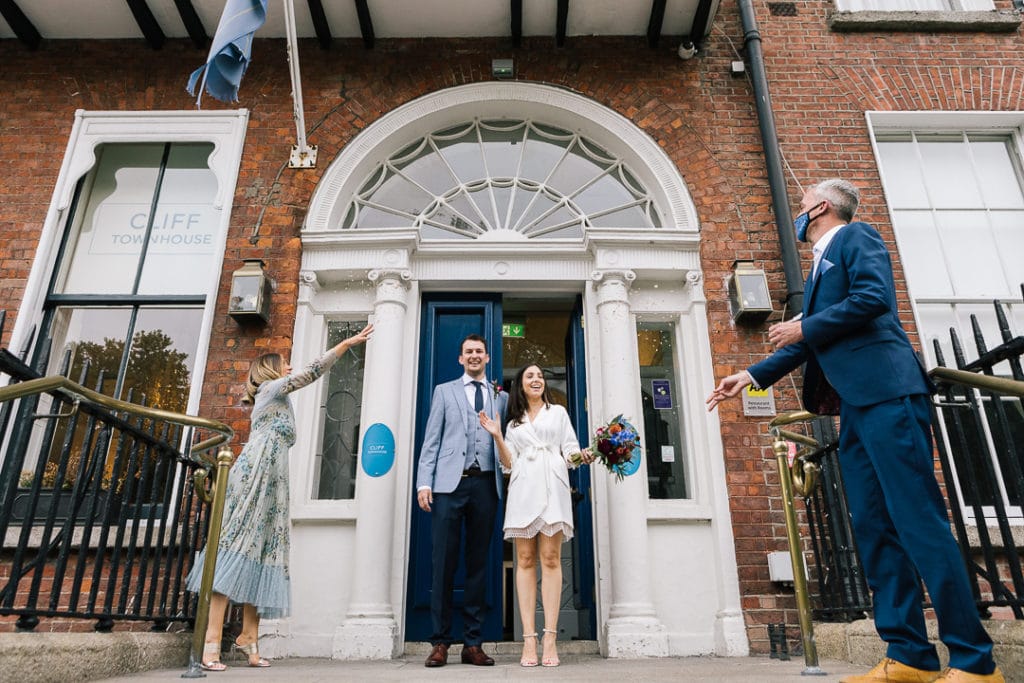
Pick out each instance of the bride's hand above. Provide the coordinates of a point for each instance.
(492, 427)
(587, 456)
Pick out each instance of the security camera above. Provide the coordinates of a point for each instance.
(687, 50)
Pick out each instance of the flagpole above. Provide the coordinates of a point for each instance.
(303, 155)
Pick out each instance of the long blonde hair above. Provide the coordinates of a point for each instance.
(263, 369)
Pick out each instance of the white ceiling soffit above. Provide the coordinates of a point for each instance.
(112, 19)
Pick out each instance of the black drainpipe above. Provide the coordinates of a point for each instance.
(773, 161)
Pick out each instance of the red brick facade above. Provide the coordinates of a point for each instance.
(701, 115)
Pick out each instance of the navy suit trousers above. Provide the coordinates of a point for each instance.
(473, 503)
(903, 535)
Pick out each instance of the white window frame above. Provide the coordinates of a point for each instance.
(91, 129)
(1006, 123)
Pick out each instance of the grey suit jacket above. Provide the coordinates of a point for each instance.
(443, 455)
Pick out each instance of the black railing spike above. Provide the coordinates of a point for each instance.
(939, 357)
(958, 349)
(3, 318)
(979, 336)
(65, 364)
(1004, 324)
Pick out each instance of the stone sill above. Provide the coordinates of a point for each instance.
(994, 21)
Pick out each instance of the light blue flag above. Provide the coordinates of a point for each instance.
(230, 51)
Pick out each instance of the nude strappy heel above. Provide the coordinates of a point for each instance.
(523, 661)
(550, 661)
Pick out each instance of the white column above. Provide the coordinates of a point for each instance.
(633, 628)
(370, 630)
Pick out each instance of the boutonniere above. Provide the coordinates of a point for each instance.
(496, 387)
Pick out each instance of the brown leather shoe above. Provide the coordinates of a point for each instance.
(438, 656)
(473, 654)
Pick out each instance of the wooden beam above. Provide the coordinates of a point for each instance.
(193, 24)
(320, 25)
(365, 23)
(701, 22)
(20, 24)
(147, 23)
(561, 22)
(517, 22)
(655, 22)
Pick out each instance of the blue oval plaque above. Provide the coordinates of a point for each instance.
(378, 450)
(634, 463)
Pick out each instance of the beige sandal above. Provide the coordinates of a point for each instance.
(523, 661)
(553, 660)
(251, 651)
(207, 663)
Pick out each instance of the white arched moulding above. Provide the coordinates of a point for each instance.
(640, 163)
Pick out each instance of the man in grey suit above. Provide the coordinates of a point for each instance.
(459, 482)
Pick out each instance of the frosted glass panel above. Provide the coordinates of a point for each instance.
(974, 262)
(904, 182)
(949, 175)
(997, 175)
(924, 264)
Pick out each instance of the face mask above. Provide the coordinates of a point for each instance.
(802, 222)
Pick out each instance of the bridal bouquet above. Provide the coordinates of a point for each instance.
(613, 445)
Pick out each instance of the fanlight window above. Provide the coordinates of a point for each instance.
(501, 180)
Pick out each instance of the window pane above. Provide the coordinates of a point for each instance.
(107, 232)
(924, 263)
(904, 183)
(664, 448)
(973, 257)
(1008, 229)
(997, 174)
(180, 258)
(336, 478)
(162, 357)
(949, 174)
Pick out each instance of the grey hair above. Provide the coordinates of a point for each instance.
(841, 194)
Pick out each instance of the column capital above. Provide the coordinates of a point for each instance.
(392, 284)
(694, 278)
(606, 276)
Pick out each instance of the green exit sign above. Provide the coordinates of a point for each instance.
(513, 330)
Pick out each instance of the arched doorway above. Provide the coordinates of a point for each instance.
(529, 194)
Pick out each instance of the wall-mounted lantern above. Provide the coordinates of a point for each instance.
(250, 293)
(749, 299)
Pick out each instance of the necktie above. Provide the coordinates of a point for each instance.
(478, 400)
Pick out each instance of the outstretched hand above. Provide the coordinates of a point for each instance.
(727, 388)
(491, 426)
(356, 339)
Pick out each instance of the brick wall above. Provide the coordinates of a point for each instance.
(704, 118)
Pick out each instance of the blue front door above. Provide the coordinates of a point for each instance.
(446, 322)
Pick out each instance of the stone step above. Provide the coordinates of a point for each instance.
(507, 647)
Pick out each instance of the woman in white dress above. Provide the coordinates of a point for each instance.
(538, 448)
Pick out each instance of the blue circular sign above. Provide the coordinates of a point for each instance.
(634, 463)
(378, 450)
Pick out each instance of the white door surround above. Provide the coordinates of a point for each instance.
(645, 606)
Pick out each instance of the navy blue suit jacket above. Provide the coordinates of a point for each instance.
(854, 345)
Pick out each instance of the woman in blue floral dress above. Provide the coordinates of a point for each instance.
(252, 556)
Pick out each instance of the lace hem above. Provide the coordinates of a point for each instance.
(539, 526)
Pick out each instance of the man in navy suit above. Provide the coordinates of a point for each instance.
(459, 482)
(861, 366)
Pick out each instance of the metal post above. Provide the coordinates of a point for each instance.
(303, 155)
(803, 604)
(224, 458)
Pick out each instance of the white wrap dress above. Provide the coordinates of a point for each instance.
(539, 499)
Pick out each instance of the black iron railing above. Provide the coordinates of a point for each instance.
(100, 511)
(978, 423)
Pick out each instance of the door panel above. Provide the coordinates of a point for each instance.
(446, 321)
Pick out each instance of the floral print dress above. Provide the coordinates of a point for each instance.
(252, 556)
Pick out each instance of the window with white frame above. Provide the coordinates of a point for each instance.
(957, 204)
(136, 242)
(913, 5)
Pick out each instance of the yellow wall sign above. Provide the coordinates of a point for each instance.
(758, 402)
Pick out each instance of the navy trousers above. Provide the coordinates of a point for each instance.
(903, 536)
(475, 504)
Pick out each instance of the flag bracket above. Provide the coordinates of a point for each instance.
(302, 158)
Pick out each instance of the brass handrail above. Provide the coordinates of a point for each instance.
(1002, 385)
(223, 434)
(803, 480)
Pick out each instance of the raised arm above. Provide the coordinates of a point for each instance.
(493, 427)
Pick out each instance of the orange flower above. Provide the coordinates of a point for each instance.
(614, 429)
